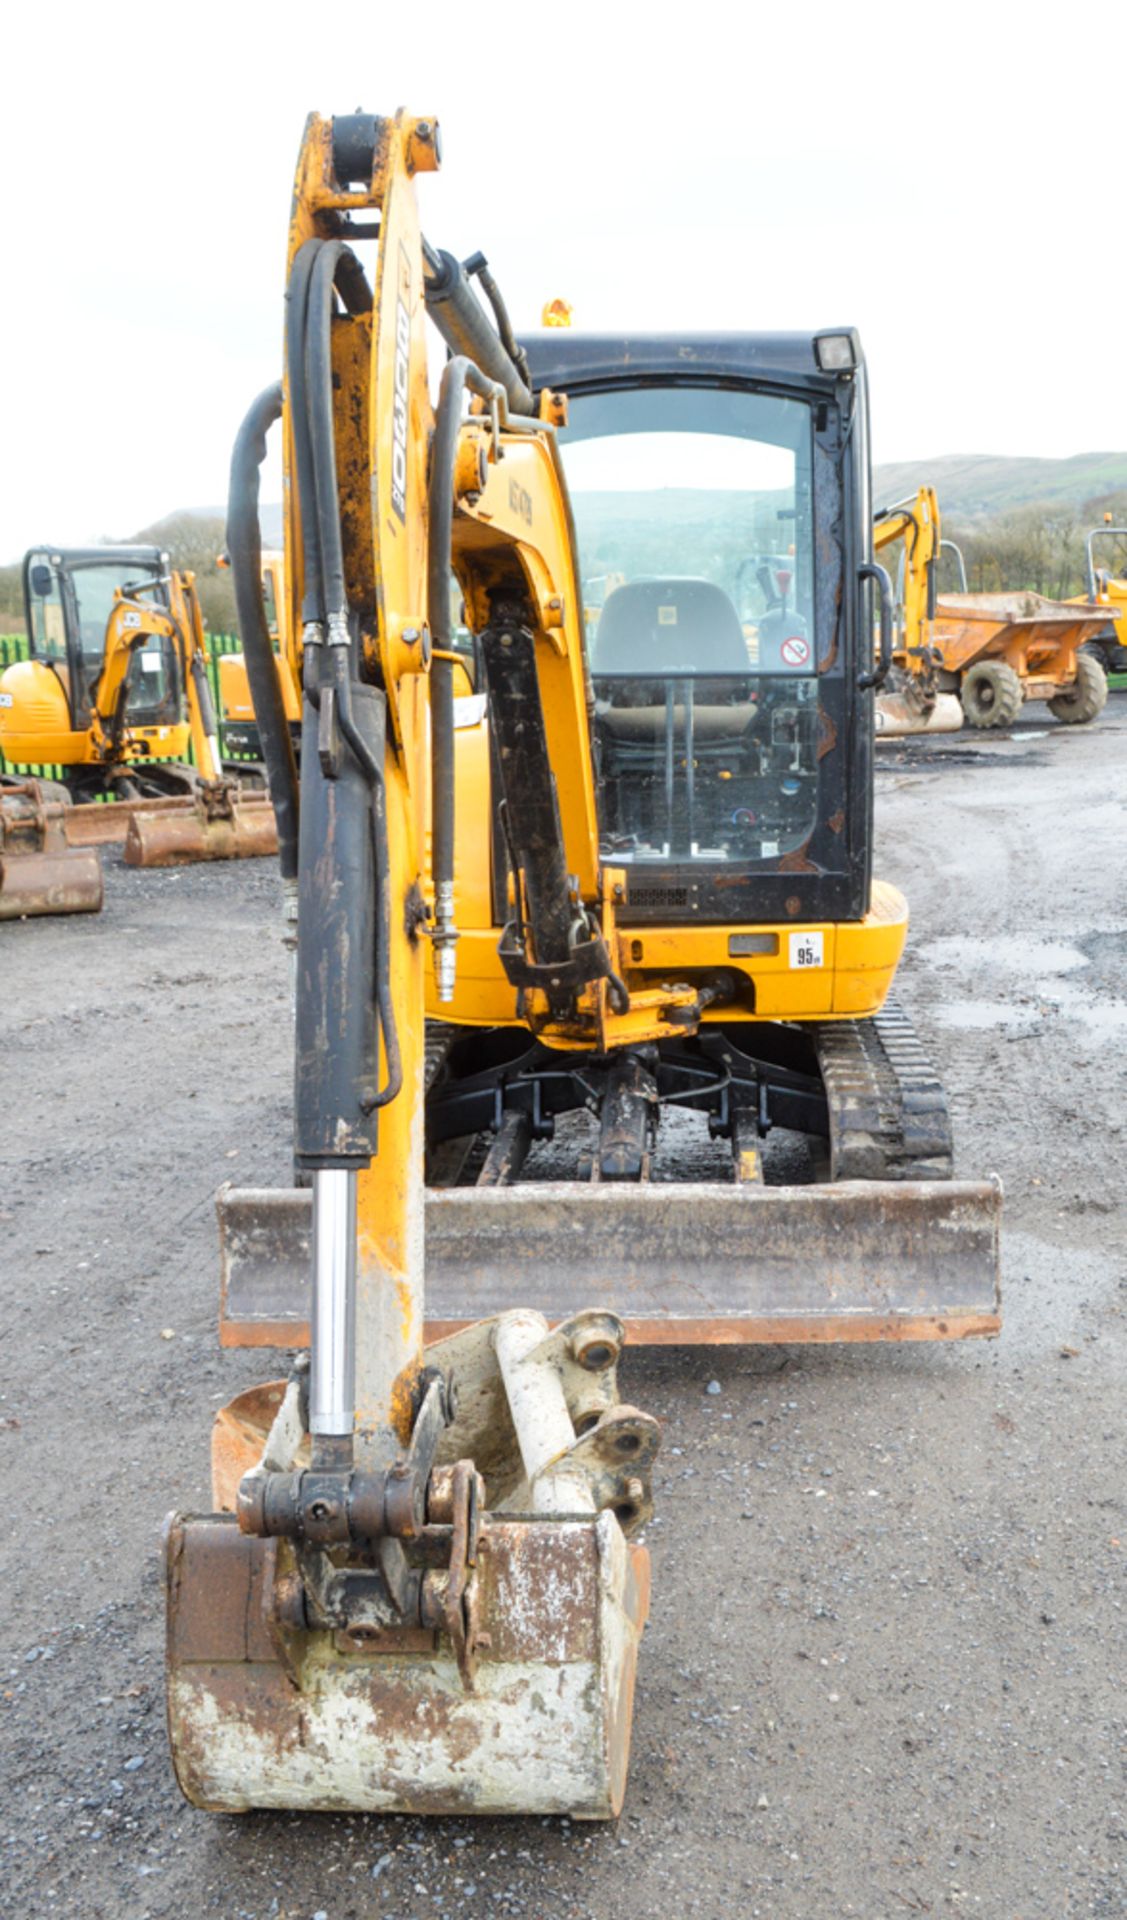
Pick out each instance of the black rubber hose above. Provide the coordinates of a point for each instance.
(373, 773)
(478, 268)
(203, 696)
(297, 305)
(457, 375)
(466, 328)
(352, 283)
(319, 376)
(316, 354)
(244, 545)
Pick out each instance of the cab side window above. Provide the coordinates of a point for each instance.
(48, 629)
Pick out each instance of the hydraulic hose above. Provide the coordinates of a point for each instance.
(478, 268)
(322, 434)
(244, 544)
(310, 346)
(297, 305)
(458, 374)
(466, 328)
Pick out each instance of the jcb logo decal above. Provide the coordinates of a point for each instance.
(520, 500)
(399, 410)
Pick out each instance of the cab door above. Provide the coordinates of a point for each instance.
(50, 631)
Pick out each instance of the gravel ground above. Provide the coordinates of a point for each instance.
(884, 1671)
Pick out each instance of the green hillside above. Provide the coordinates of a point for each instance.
(971, 486)
(975, 486)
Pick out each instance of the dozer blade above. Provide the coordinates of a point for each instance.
(177, 836)
(264, 1716)
(679, 1264)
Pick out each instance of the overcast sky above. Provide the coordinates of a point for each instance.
(951, 184)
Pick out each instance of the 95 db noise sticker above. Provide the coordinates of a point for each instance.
(806, 949)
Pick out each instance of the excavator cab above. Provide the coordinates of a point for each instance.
(115, 695)
(69, 704)
(68, 601)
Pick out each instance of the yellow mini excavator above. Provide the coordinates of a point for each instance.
(911, 700)
(629, 878)
(113, 694)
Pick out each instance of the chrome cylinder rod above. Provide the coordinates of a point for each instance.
(332, 1368)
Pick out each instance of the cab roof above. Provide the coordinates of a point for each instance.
(561, 358)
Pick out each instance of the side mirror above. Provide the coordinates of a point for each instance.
(42, 582)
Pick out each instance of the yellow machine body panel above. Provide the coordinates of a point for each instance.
(35, 727)
(235, 702)
(234, 689)
(791, 971)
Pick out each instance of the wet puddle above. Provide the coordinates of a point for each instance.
(1056, 978)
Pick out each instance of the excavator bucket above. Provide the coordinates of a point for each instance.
(898, 714)
(219, 822)
(39, 872)
(513, 1691)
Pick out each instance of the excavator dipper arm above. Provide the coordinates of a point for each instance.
(419, 1592)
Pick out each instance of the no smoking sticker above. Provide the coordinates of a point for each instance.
(795, 651)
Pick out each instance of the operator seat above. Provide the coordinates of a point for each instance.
(655, 633)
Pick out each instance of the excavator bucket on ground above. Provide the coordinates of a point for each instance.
(218, 822)
(40, 872)
(420, 1589)
(900, 712)
(512, 1686)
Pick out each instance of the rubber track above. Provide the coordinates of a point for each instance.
(887, 1110)
(440, 1036)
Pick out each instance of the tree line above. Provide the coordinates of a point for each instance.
(1040, 549)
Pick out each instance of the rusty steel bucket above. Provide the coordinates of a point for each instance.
(39, 872)
(218, 823)
(262, 1717)
(531, 1711)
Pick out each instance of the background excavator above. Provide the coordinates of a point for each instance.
(981, 656)
(630, 881)
(114, 693)
(1106, 559)
(911, 701)
(238, 726)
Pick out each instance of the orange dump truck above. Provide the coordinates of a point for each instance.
(998, 650)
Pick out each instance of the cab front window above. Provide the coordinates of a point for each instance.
(693, 511)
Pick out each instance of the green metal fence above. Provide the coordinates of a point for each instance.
(13, 647)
